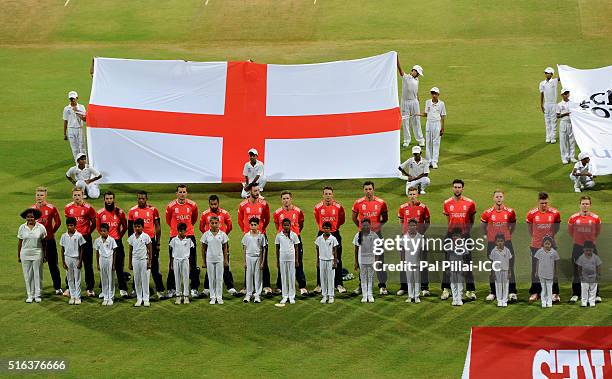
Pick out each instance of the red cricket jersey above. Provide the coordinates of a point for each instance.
(85, 216)
(408, 211)
(259, 209)
(371, 209)
(49, 218)
(584, 227)
(542, 224)
(294, 214)
(177, 213)
(458, 213)
(148, 214)
(114, 219)
(225, 220)
(333, 213)
(498, 221)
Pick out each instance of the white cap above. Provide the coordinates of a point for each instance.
(418, 69)
(435, 89)
(416, 150)
(549, 70)
(81, 155)
(583, 155)
(73, 94)
(253, 151)
(564, 90)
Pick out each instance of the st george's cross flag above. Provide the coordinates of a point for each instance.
(170, 121)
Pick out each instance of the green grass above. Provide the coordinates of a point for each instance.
(487, 59)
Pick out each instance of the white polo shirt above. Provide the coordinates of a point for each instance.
(410, 87)
(253, 244)
(580, 169)
(414, 168)
(73, 120)
(105, 248)
(549, 89)
(326, 247)
(181, 248)
(77, 174)
(31, 241)
(435, 111)
(139, 246)
(366, 248)
(71, 244)
(214, 243)
(252, 171)
(287, 246)
(563, 107)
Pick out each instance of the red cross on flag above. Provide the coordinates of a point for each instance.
(194, 122)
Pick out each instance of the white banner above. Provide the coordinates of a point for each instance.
(591, 113)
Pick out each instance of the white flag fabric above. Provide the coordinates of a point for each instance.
(152, 121)
(591, 113)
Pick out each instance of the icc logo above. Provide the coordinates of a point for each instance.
(602, 104)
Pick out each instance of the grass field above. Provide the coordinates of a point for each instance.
(486, 57)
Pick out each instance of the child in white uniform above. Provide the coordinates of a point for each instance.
(31, 249)
(411, 255)
(214, 256)
(435, 111)
(105, 256)
(140, 262)
(500, 255)
(253, 245)
(590, 269)
(364, 259)
(287, 260)
(72, 258)
(455, 256)
(546, 269)
(326, 245)
(566, 135)
(180, 248)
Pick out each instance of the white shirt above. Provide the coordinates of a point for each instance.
(253, 244)
(366, 248)
(435, 111)
(414, 168)
(77, 174)
(31, 241)
(562, 108)
(71, 116)
(214, 251)
(410, 87)
(287, 246)
(139, 246)
(252, 171)
(71, 244)
(549, 89)
(105, 248)
(580, 169)
(502, 256)
(326, 247)
(412, 251)
(181, 248)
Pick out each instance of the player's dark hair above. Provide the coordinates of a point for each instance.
(326, 224)
(588, 245)
(410, 189)
(139, 221)
(181, 227)
(71, 221)
(104, 226)
(213, 198)
(368, 183)
(213, 218)
(285, 192)
(413, 221)
(549, 239)
(254, 219)
(359, 236)
(542, 195)
(109, 193)
(286, 220)
(143, 192)
(181, 186)
(500, 236)
(459, 181)
(585, 197)
(328, 188)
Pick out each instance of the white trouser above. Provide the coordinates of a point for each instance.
(366, 276)
(589, 292)
(215, 279)
(32, 276)
(566, 140)
(106, 277)
(287, 269)
(327, 277)
(92, 190)
(141, 279)
(413, 281)
(181, 275)
(502, 285)
(423, 182)
(73, 275)
(457, 287)
(253, 276)
(77, 141)
(261, 183)
(582, 181)
(550, 120)
(410, 109)
(433, 138)
(546, 294)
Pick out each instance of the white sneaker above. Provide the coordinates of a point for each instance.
(470, 295)
(267, 290)
(512, 297)
(423, 192)
(357, 291)
(573, 299)
(454, 303)
(400, 292)
(232, 291)
(592, 305)
(138, 303)
(185, 299)
(422, 144)
(109, 302)
(445, 294)
(160, 295)
(29, 300)
(383, 291)
(195, 294)
(59, 291)
(219, 301)
(565, 162)
(370, 299)
(324, 300)
(101, 296)
(77, 301)
(178, 300)
(66, 292)
(409, 300)
(71, 301)
(246, 299)
(490, 297)
(212, 301)
(505, 304)
(38, 299)
(105, 302)
(583, 304)
(341, 289)
(459, 303)
(598, 299)
(317, 289)
(434, 165)
(577, 189)
(123, 293)
(257, 300)
(205, 292)
(303, 291)
(330, 301)
(406, 144)
(417, 300)
(283, 300)
(146, 304)
(425, 293)
(553, 141)
(291, 300)
(364, 299)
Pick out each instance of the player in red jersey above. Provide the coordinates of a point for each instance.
(542, 221)
(295, 214)
(255, 206)
(582, 226)
(85, 216)
(329, 210)
(374, 209)
(414, 209)
(184, 210)
(51, 220)
(152, 227)
(116, 220)
(225, 225)
(499, 219)
(459, 211)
